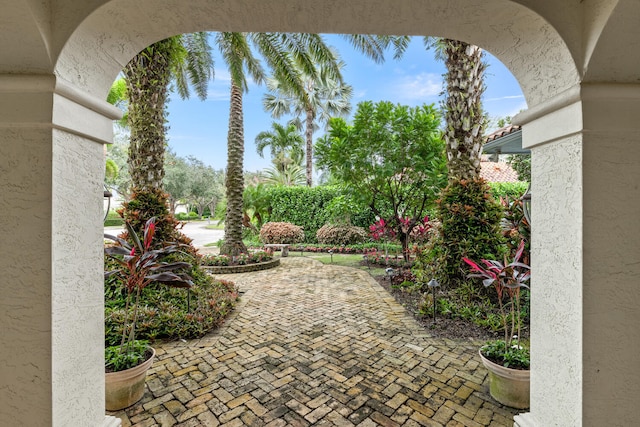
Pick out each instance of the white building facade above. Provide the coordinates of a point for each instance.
(578, 63)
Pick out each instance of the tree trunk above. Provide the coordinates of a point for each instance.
(309, 138)
(147, 77)
(465, 119)
(234, 181)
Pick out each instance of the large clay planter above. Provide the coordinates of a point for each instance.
(124, 388)
(508, 386)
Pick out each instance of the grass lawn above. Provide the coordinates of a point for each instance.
(217, 226)
(345, 260)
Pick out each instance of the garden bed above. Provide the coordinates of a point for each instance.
(444, 327)
(245, 268)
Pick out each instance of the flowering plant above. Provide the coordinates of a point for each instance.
(138, 266)
(507, 278)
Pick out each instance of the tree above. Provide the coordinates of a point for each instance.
(181, 59)
(285, 54)
(176, 180)
(285, 142)
(464, 117)
(117, 153)
(470, 217)
(291, 176)
(206, 187)
(392, 155)
(324, 97)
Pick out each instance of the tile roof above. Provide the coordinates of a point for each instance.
(497, 172)
(499, 133)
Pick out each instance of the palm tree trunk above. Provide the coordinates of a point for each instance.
(465, 119)
(309, 138)
(233, 244)
(147, 77)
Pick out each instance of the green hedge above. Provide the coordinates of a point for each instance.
(512, 190)
(307, 207)
(113, 219)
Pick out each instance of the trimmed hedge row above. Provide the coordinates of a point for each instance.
(307, 207)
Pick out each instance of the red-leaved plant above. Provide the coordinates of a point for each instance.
(507, 278)
(139, 266)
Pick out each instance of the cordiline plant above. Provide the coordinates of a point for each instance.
(507, 278)
(139, 266)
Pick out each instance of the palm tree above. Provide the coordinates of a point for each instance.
(285, 142)
(324, 97)
(285, 54)
(464, 117)
(292, 176)
(184, 58)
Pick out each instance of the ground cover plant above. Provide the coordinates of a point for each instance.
(169, 313)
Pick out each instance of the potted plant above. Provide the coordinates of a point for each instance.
(138, 265)
(507, 360)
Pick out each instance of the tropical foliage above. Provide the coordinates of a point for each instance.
(325, 96)
(139, 265)
(286, 145)
(470, 228)
(507, 278)
(393, 156)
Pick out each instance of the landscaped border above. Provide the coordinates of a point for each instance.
(247, 268)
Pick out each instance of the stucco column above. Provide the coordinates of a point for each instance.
(585, 257)
(51, 310)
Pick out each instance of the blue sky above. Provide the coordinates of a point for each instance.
(199, 128)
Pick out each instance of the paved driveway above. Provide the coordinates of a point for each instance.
(195, 229)
(313, 344)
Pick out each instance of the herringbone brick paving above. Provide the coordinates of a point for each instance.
(312, 344)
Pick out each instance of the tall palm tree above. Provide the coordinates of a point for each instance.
(464, 117)
(285, 142)
(325, 94)
(285, 54)
(182, 59)
(324, 97)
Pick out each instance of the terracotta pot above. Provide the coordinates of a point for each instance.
(124, 388)
(508, 386)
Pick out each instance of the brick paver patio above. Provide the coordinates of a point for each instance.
(313, 344)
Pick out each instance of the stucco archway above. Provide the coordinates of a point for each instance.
(579, 80)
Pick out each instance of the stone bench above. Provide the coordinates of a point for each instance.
(284, 247)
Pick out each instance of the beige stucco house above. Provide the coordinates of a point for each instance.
(578, 64)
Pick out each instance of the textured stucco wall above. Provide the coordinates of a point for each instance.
(556, 283)
(78, 292)
(611, 258)
(25, 262)
(51, 310)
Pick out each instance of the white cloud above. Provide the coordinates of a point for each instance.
(218, 94)
(360, 94)
(502, 98)
(419, 87)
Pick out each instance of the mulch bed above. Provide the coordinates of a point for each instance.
(444, 327)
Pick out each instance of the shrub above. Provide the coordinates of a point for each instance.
(312, 207)
(510, 190)
(470, 219)
(340, 234)
(145, 204)
(113, 219)
(260, 256)
(170, 313)
(281, 232)
(214, 260)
